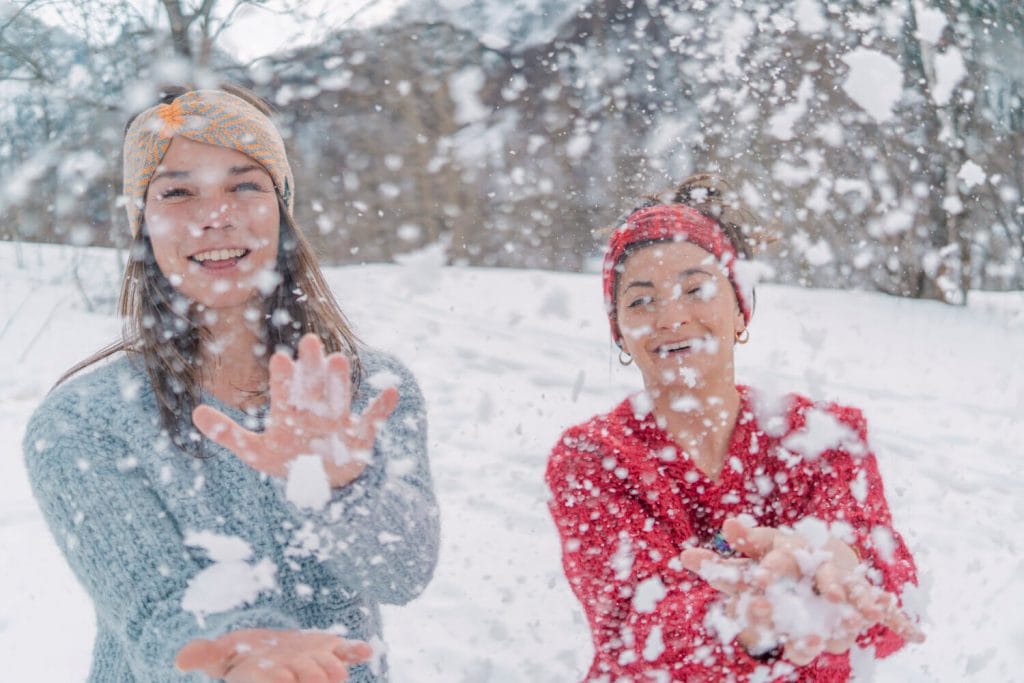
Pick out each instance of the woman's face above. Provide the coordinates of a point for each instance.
(213, 221)
(678, 316)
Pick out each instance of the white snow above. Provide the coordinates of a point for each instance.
(224, 586)
(781, 122)
(649, 593)
(931, 21)
(230, 581)
(949, 71)
(939, 385)
(464, 87)
(808, 16)
(307, 485)
(971, 174)
(874, 82)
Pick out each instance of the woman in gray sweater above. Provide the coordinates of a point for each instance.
(239, 483)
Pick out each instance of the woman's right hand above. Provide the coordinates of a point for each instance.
(774, 555)
(273, 656)
(310, 414)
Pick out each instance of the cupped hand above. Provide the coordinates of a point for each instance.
(776, 559)
(310, 414)
(273, 656)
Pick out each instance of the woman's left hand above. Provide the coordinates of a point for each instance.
(310, 414)
(776, 555)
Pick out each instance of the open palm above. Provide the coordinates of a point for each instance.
(268, 656)
(774, 555)
(310, 414)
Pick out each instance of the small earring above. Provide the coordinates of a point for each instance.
(743, 336)
(624, 357)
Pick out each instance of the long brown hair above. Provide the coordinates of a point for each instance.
(162, 328)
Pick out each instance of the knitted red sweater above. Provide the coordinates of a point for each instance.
(626, 501)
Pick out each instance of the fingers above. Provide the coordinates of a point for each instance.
(897, 620)
(222, 430)
(377, 412)
(310, 366)
(353, 652)
(753, 542)
(309, 670)
(725, 574)
(338, 387)
(830, 581)
(208, 656)
(332, 666)
(776, 565)
(282, 369)
(804, 649)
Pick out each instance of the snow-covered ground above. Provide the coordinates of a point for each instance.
(507, 359)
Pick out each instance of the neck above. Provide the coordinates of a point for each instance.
(233, 369)
(699, 420)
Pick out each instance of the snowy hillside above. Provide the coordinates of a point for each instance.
(507, 359)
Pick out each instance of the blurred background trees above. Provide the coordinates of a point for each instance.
(509, 131)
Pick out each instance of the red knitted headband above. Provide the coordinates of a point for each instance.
(668, 222)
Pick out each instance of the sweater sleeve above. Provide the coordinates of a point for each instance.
(382, 531)
(847, 488)
(121, 544)
(646, 613)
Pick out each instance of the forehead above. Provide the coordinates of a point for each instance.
(665, 260)
(188, 155)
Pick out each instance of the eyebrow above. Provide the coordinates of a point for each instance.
(694, 271)
(233, 171)
(682, 275)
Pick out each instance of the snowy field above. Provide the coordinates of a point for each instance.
(507, 359)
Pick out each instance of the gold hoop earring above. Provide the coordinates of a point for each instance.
(743, 336)
(624, 357)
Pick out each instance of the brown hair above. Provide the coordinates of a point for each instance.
(161, 327)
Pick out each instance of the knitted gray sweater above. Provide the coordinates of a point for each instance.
(120, 499)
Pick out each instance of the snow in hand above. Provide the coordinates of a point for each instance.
(504, 372)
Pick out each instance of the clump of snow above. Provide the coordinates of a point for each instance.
(230, 581)
(874, 82)
(307, 485)
(654, 645)
(464, 87)
(949, 71)
(822, 432)
(642, 404)
(931, 21)
(622, 559)
(971, 174)
(781, 123)
(383, 380)
(649, 593)
(808, 16)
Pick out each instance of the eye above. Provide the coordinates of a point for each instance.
(247, 186)
(640, 301)
(705, 291)
(174, 192)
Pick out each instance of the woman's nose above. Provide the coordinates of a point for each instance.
(672, 313)
(214, 212)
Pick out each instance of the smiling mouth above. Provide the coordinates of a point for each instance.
(666, 350)
(219, 258)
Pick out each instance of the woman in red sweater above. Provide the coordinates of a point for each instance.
(713, 533)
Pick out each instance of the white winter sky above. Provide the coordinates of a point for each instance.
(259, 30)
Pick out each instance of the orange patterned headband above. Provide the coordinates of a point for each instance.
(214, 117)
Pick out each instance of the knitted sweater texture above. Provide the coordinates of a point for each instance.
(120, 500)
(626, 501)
